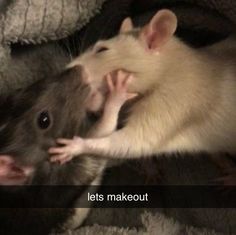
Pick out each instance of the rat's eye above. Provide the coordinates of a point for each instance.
(43, 120)
(101, 49)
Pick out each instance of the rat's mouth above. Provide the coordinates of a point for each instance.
(18, 176)
(12, 173)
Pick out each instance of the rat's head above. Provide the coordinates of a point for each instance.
(33, 118)
(135, 50)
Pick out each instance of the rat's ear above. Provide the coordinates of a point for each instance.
(126, 25)
(12, 174)
(159, 30)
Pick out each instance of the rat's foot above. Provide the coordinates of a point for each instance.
(118, 89)
(70, 149)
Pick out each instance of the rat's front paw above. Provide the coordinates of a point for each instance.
(118, 89)
(70, 148)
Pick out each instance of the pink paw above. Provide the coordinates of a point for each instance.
(118, 88)
(69, 149)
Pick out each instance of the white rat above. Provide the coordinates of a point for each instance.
(188, 96)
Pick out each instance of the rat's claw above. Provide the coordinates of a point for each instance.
(128, 79)
(55, 158)
(123, 79)
(65, 158)
(56, 150)
(121, 76)
(61, 158)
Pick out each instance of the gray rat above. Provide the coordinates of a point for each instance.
(28, 126)
(30, 119)
(30, 122)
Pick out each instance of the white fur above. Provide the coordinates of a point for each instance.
(189, 97)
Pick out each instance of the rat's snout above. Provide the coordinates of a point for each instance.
(79, 71)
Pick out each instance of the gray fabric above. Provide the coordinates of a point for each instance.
(177, 170)
(36, 21)
(153, 225)
(33, 21)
